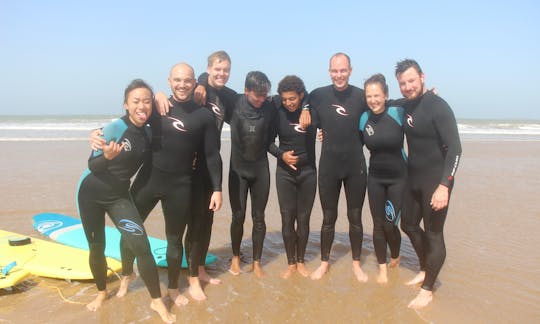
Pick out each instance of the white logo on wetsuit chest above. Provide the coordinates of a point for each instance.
(251, 129)
(341, 110)
(127, 145)
(178, 124)
(369, 130)
(298, 128)
(215, 109)
(410, 121)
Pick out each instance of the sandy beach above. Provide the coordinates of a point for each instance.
(491, 274)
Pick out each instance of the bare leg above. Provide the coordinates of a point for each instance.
(423, 298)
(382, 277)
(177, 298)
(98, 301)
(195, 289)
(321, 270)
(301, 268)
(235, 265)
(204, 276)
(291, 268)
(124, 284)
(159, 307)
(418, 279)
(258, 269)
(358, 272)
(394, 262)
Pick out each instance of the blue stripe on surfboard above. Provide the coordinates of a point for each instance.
(68, 230)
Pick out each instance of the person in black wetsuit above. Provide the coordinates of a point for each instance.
(178, 137)
(220, 100)
(336, 109)
(104, 188)
(296, 173)
(434, 151)
(382, 133)
(250, 124)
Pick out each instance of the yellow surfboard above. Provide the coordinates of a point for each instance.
(11, 274)
(46, 259)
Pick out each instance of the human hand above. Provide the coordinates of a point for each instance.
(111, 150)
(290, 159)
(215, 201)
(96, 139)
(162, 103)
(439, 200)
(199, 96)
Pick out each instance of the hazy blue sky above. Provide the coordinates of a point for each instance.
(76, 57)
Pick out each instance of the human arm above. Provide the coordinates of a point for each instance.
(162, 103)
(96, 139)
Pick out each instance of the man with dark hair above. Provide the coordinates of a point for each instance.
(434, 152)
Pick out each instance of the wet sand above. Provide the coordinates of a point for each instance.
(491, 274)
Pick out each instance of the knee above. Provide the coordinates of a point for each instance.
(409, 228)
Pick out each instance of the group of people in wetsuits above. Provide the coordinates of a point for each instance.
(178, 144)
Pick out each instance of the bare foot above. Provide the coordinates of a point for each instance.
(321, 270)
(423, 298)
(159, 307)
(301, 268)
(418, 279)
(382, 277)
(195, 289)
(358, 272)
(394, 262)
(204, 276)
(177, 298)
(289, 271)
(257, 269)
(124, 284)
(98, 301)
(235, 265)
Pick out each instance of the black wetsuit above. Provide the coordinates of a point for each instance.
(104, 188)
(434, 152)
(250, 138)
(176, 140)
(383, 136)
(342, 161)
(221, 103)
(295, 188)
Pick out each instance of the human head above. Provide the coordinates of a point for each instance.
(410, 78)
(182, 82)
(219, 69)
(138, 98)
(340, 70)
(292, 90)
(376, 92)
(256, 88)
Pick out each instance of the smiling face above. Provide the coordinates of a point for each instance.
(340, 70)
(139, 105)
(411, 83)
(375, 97)
(218, 73)
(291, 100)
(182, 82)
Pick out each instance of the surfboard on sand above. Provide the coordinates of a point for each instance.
(46, 259)
(68, 230)
(11, 273)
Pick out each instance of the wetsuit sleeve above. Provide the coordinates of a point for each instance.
(203, 79)
(273, 148)
(213, 158)
(446, 126)
(228, 97)
(111, 132)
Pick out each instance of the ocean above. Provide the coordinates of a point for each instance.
(78, 127)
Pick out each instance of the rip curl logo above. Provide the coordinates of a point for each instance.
(130, 227)
(341, 110)
(49, 225)
(127, 145)
(298, 128)
(390, 211)
(215, 109)
(178, 124)
(410, 121)
(369, 130)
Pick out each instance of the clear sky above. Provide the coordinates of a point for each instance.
(76, 57)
